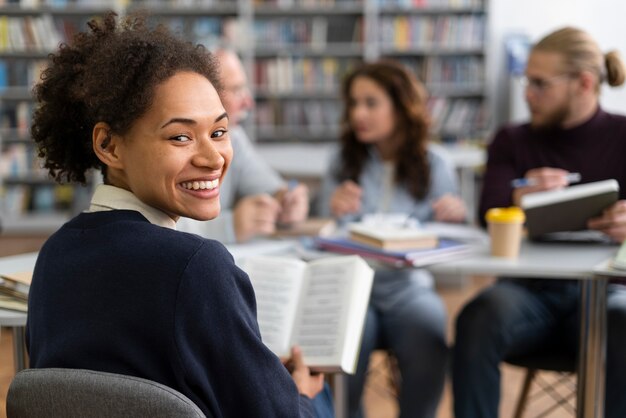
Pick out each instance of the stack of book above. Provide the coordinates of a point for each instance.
(396, 246)
(14, 289)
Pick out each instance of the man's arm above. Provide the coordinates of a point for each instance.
(500, 171)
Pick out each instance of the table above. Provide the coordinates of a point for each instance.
(580, 261)
(14, 320)
(587, 262)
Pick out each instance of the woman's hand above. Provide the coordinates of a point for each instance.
(346, 199)
(449, 208)
(308, 384)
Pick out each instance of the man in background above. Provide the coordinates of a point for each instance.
(568, 133)
(254, 198)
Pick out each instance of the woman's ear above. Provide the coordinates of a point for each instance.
(104, 145)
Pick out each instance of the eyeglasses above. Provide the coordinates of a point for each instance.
(239, 91)
(540, 85)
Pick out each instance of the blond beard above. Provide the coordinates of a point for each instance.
(553, 120)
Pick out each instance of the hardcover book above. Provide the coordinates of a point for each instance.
(567, 209)
(390, 237)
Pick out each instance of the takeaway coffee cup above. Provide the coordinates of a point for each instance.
(505, 230)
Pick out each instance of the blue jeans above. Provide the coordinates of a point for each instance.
(409, 319)
(516, 317)
(323, 403)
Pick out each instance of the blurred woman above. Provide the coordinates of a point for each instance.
(386, 165)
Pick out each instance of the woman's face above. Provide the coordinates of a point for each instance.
(175, 156)
(371, 111)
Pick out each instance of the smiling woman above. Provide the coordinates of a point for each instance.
(170, 162)
(117, 288)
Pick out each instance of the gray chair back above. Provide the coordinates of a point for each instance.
(39, 393)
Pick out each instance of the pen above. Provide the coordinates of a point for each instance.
(523, 182)
(292, 184)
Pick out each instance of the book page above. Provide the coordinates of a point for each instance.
(277, 283)
(332, 312)
(18, 283)
(24, 277)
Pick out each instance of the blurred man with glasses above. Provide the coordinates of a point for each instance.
(568, 132)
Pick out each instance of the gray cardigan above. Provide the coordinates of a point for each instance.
(372, 180)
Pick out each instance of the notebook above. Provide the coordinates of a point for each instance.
(567, 209)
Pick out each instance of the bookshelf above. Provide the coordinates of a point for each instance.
(302, 49)
(31, 202)
(296, 53)
(442, 41)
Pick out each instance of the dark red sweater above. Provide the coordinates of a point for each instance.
(596, 149)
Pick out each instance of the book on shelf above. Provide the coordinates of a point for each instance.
(392, 237)
(567, 209)
(319, 305)
(446, 250)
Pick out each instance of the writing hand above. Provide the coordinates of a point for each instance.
(541, 179)
(346, 199)
(449, 208)
(294, 204)
(612, 222)
(255, 215)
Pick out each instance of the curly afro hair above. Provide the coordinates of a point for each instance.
(106, 74)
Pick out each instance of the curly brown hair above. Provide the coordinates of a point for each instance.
(408, 96)
(106, 74)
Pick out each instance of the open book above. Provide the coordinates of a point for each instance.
(319, 305)
(567, 209)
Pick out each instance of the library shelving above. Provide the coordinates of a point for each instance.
(31, 202)
(296, 53)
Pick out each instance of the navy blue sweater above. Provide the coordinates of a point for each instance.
(115, 293)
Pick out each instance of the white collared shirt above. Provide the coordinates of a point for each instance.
(108, 197)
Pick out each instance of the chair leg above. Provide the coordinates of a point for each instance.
(523, 397)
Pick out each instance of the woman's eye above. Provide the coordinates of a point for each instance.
(181, 138)
(219, 133)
